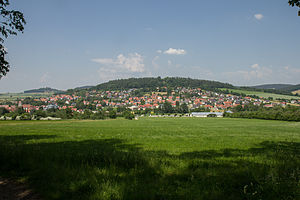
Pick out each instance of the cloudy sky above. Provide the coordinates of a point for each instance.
(71, 43)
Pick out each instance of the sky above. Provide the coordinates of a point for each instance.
(73, 43)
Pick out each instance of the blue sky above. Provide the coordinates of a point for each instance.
(67, 43)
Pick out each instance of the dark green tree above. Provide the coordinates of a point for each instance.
(184, 108)
(3, 111)
(112, 114)
(167, 108)
(40, 113)
(98, 115)
(12, 21)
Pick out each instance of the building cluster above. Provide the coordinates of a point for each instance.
(95, 100)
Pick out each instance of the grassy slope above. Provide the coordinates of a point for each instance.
(14, 96)
(296, 92)
(182, 158)
(263, 94)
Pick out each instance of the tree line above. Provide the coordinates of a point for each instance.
(21, 114)
(288, 113)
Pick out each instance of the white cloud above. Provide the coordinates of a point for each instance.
(148, 29)
(255, 74)
(154, 62)
(286, 67)
(172, 51)
(45, 78)
(288, 73)
(120, 67)
(292, 70)
(104, 61)
(258, 16)
(255, 66)
(133, 63)
(159, 51)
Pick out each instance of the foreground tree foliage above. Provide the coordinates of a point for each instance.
(295, 3)
(12, 21)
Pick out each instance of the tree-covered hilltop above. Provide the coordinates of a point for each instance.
(153, 83)
(43, 90)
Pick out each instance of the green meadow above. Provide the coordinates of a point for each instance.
(15, 96)
(154, 158)
(263, 94)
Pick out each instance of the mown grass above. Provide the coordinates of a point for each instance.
(263, 94)
(15, 96)
(165, 158)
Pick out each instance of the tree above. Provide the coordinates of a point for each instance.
(128, 115)
(184, 108)
(11, 22)
(3, 111)
(112, 114)
(295, 3)
(167, 108)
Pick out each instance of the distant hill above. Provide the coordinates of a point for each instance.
(43, 90)
(83, 87)
(152, 83)
(292, 88)
(280, 87)
(272, 86)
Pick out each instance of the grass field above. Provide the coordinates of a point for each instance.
(15, 96)
(263, 94)
(165, 158)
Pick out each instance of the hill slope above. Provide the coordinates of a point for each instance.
(151, 82)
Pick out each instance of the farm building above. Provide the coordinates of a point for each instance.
(206, 114)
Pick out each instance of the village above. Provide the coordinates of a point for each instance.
(196, 100)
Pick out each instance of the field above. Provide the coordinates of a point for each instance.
(296, 92)
(15, 96)
(263, 94)
(165, 158)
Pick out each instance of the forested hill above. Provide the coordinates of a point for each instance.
(43, 90)
(153, 83)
